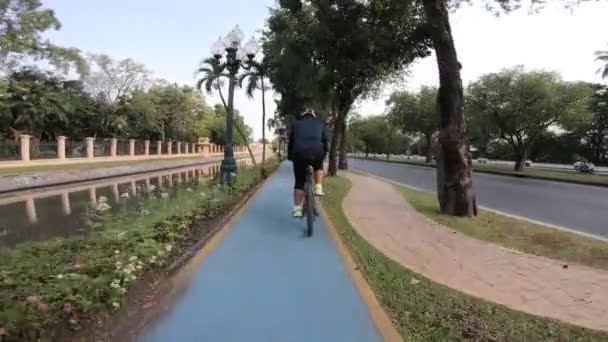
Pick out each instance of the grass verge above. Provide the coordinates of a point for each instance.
(516, 234)
(61, 285)
(14, 171)
(559, 176)
(426, 311)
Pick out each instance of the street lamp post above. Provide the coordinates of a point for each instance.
(235, 55)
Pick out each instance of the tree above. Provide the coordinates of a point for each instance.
(521, 105)
(415, 113)
(596, 130)
(112, 79)
(219, 131)
(376, 134)
(163, 112)
(454, 183)
(348, 46)
(38, 103)
(255, 75)
(210, 80)
(22, 23)
(602, 56)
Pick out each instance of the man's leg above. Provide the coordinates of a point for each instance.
(318, 167)
(299, 173)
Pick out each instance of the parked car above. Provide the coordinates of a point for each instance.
(528, 163)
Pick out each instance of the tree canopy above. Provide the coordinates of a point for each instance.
(416, 113)
(22, 24)
(519, 106)
(330, 53)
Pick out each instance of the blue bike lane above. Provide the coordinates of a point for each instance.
(266, 281)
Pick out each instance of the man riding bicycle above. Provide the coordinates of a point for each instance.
(307, 146)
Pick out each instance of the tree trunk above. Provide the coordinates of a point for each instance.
(429, 151)
(263, 122)
(454, 182)
(332, 169)
(520, 159)
(343, 157)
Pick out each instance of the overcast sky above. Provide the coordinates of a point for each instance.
(171, 40)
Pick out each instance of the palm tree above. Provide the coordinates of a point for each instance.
(602, 56)
(256, 72)
(211, 80)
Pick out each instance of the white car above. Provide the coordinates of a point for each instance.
(584, 166)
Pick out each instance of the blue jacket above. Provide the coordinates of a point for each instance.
(307, 136)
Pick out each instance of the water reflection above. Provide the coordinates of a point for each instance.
(61, 211)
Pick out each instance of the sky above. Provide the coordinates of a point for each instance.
(171, 38)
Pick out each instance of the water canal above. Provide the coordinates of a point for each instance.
(60, 211)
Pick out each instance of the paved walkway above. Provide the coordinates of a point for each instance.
(533, 284)
(266, 281)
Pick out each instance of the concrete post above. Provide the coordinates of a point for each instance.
(61, 147)
(133, 188)
(25, 147)
(205, 148)
(113, 147)
(115, 192)
(159, 147)
(179, 147)
(93, 197)
(132, 147)
(147, 147)
(90, 147)
(169, 147)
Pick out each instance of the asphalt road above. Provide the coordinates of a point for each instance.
(579, 207)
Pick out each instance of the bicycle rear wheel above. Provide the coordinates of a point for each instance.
(310, 204)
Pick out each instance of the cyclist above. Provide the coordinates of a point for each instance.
(307, 146)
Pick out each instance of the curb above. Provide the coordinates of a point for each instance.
(506, 174)
(545, 224)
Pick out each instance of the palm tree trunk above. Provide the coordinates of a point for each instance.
(238, 129)
(263, 122)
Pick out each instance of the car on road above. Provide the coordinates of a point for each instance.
(584, 167)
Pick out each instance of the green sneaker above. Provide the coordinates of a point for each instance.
(319, 190)
(297, 212)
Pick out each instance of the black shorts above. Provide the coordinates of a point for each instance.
(299, 168)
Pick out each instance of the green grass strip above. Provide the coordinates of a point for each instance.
(426, 311)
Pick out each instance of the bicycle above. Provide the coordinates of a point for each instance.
(310, 203)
